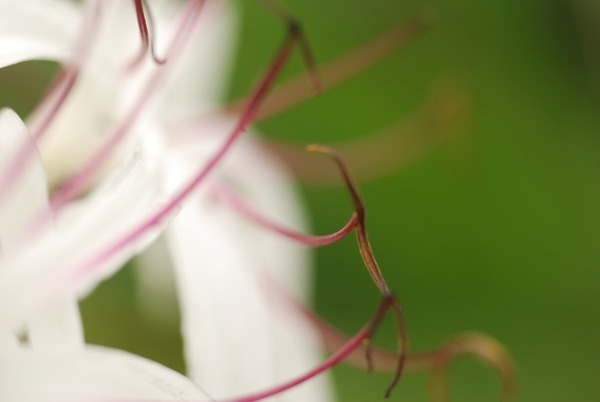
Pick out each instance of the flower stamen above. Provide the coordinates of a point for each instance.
(238, 204)
(159, 216)
(437, 361)
(348, 348)
(303, 44)
(76, 183)
(342, 69)
(293, 92)
(368, 258)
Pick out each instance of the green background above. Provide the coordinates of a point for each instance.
(496, 231)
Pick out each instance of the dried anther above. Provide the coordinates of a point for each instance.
(437, 361)
(339, 70)
(295, 29)
(368, 257)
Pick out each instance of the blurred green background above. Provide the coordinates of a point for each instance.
(497, 231)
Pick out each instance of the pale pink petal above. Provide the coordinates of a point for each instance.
(237, 340)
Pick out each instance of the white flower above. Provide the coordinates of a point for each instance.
(237, 340)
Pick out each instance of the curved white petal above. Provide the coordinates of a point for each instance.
(37, 30)
(64, 260)
(237, 339)
(30, 194)
(91, 374)
(58, 324)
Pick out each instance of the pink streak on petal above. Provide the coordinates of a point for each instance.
(230, 198)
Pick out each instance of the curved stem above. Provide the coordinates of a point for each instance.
(366, 251)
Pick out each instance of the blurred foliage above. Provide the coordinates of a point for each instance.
(497, 231)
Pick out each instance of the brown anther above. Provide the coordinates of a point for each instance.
(342, 69)
(295, 29)
(368, 258)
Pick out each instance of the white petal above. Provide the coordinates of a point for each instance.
(266, 184)
(199, 76)
(37, 30)
(59, 263)
(237, 339)
(30, 194)
(156, 290)
(58, 325)
(89, 375)
(227, 342)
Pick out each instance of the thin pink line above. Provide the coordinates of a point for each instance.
(335, 359)
(332, 361)
(73, 185)
(242, 207)
(162, 213)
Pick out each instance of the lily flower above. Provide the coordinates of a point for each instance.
(105, 128)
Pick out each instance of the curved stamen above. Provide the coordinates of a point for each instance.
(146, 28)
(305, 48)
(75, 184)
(368, 258)
(293, 92)
(164, 212)
(81, 179)
(486, 349)
(437, 361)
(345, 67)
(353, 344)
(229, 197)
